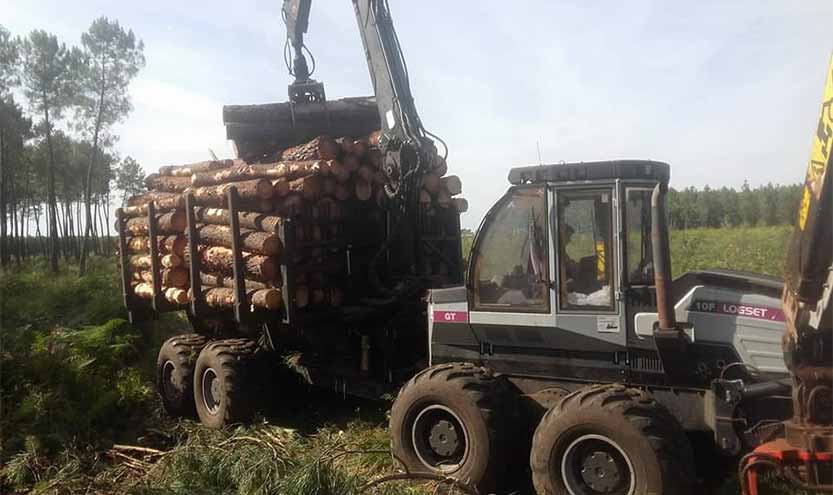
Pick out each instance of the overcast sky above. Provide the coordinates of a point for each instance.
(725, 91)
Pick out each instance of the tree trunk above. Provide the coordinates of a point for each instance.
(257, 267)
(173, 222)
(250, 190)
(251, 240)
(249, 220)
(172, 244)
(171, 294)
(143, 261)
(163, 201)
(171, 277)
(194, 168)
(4, 253)
(320, 148)
(50, 193)
(223, 297)
(167, 183)
(219, 280)
(243, 171)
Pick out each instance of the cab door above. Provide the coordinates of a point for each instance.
(589, 322)
(510, 283)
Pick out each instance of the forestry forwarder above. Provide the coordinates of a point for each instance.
(567, 324)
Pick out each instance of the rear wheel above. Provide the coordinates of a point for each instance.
(455, 420)
(223, 382)
(175, 372)
(611, 440)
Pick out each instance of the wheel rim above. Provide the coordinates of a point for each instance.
(169, 387)
(211, 391)
(595, 464)
(440, 440)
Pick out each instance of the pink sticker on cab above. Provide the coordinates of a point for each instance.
(451, 317)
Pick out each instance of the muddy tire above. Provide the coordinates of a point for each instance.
(175, 373)
(224, 382)
(457, 420)
(614, 440)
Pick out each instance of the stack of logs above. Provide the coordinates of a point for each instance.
(314, 183)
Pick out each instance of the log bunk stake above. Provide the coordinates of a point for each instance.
(197, 299)
(240, 310)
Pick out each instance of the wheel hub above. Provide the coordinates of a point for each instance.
(170, 383)
(443, 438)
(596, 465)
(211, 391)
(439, 438)
(600, 472)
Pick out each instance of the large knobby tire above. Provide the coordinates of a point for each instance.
(224, 382)
(457, 420)
(175, 373)
(613, 440)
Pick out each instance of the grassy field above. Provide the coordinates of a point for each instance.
(77, 379)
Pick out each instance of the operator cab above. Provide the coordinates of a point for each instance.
(558, 268)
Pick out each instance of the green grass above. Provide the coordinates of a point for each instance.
(76, 378)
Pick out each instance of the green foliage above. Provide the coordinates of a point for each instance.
(715, 208)
(50, 71)
(9, 53)
(753, 249)
(130, 178)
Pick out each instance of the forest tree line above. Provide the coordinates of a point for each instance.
(59, 169)
(726, 207)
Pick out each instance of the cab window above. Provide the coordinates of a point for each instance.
(639, 255)
(585, 250)
(511, 268)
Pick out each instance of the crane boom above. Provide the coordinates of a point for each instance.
(408, 150)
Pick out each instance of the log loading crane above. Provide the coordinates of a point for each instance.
(567, 344)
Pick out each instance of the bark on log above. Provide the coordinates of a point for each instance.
(461, 204)
(342, 192)
(251, 240)
(351, 163)
(440, 167)
(142, 261)
(220, 280)
(338, 171)
(256, 266)
(363, 190)
(452, 184)
(190, 169)
(346, 144)
(281, 188)
(443, 198)
(250, 190)
(328, 186)
(172, 244)
(173, 222)
(249, 220)
(366, 172)
(308, 187)
(327, 209)
(431, 183)
(171, 277)
(171, 294)
(320, 148)
(223, 297)
(242, 172)
(167, 183)
(161, 199)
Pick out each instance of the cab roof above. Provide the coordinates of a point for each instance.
(583, 171)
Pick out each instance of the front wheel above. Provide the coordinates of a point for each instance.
(455, 420)
(610, 440)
